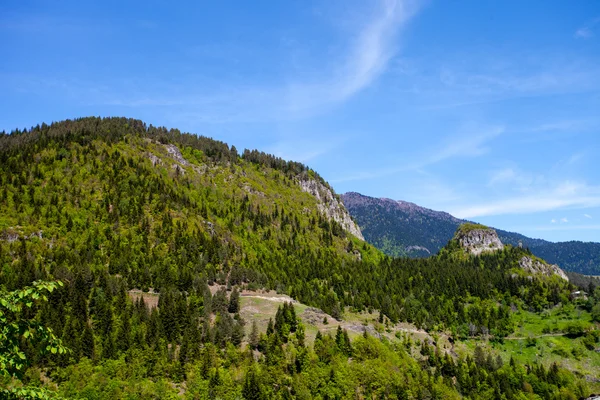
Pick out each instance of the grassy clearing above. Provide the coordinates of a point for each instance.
(151, 299)
(556, 320)
(540, 337)
(536, 337)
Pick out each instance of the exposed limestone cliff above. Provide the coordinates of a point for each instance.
(536, 266)
(330, 206)
(477, 239)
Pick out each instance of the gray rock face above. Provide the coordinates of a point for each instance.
(176, 154)
(13, 234)
(421, 248)
(330, 206)
(479, 241)
(540, 267)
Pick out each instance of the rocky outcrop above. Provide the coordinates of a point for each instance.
(330, 206)
(176, 154)
(478, 240)
(13, 234)
(418, 248)
(537, 266)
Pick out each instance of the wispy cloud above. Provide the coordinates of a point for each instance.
(472, 141)
(472, 144)
(369, 47)
(366, 60)
(302, 150)
(475, 79)
(584, 33)
(587, 216)
(560, 228)
(510, 177)
(587, 31)
(567, 125)
(562, 196)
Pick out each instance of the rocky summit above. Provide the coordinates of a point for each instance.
(477, 239)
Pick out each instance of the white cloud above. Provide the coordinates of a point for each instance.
(562, 196)
(560, 228)
(511, 177)
(302, 150)
(584, 33)
(475, 79)
(587, 31)
(471, 142)
(587, 216)
(196, 98)
(564, 220)
(553, 221)
(502, 176)
(469, 145)
(366, 60)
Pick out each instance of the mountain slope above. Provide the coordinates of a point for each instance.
(139, 223)
(160, 209)
(400, 228)
(145, 201)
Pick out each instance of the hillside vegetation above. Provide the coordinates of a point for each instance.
(141, 224)
(400, 228)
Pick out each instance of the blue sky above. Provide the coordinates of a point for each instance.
(485, 109)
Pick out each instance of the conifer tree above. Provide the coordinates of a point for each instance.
(252, 389)
(234, 301)
(87, 342)
(237, 334)
(253, 339)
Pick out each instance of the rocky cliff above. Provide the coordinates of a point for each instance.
(477, 239)
(330, 206)
(537, 266)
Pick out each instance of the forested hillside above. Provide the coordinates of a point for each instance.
(138, 223)
(400, 228)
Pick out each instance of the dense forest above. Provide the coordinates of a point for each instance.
(403, 229)
(113, 209)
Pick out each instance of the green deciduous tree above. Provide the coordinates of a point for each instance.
(16, 327)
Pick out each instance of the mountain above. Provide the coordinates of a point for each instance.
(160, 208)
(140, 247)
(400, 228)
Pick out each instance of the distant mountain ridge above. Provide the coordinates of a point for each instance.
(401, 228)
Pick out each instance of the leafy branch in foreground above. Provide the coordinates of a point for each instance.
(18, 327)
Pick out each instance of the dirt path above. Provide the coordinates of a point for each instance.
(283, 299)
(535, 337)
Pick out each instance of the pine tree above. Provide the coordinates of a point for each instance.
(292, 320)
(300, 335)
(253, 339)
(87, 342)
(252, 389)
(123, 338)
(234, 301)
(219, 301)
(237, 335)
(108, 347)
